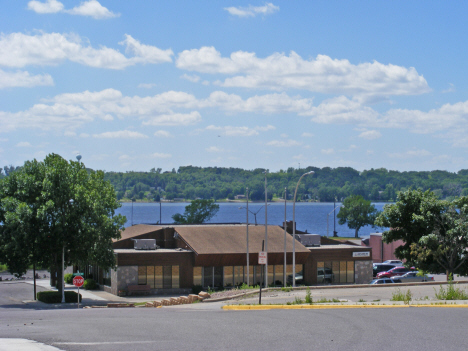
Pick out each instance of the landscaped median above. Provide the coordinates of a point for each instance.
(323, 307)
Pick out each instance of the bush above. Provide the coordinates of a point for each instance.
(399, 295)
(196, 289)
(451, 293)
(56, 297)
(89, 284)
(68, 278)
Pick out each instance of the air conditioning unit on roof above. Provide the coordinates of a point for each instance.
(145, 244)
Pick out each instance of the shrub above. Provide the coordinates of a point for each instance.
(196, 289)
(56, 296)
(68, 278)
(89, 284)
(451, 293)
(308, 298)
(399, 295)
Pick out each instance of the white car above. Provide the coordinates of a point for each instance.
(411, 277)
(395, 262)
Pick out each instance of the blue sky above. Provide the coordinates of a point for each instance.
(143, 84)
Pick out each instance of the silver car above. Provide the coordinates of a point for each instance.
(411, 277)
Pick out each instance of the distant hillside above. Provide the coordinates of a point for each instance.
(225, 183)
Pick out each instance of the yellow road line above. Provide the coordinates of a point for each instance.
(323, 307)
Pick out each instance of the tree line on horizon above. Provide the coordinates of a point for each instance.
(327, 184)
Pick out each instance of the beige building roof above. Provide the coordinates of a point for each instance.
(230, 239)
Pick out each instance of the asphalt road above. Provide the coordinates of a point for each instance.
(187, 329)
(205, 326)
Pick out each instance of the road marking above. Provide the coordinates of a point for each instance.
(323, 307)
(104, 343)
(24, 345)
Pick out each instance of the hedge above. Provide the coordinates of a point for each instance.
(68, 278)
(89, 284)
(56, 296)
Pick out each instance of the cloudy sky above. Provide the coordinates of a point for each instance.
(133, 85)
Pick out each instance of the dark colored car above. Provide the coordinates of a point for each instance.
(397, 271)
(385, 281)
(381, 267)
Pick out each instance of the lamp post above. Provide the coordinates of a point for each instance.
(71, 201)
(285, 225)
(266, 230)
(329, 215)
(133, 200)
(247, 232)
(294, 229)
(254, 213)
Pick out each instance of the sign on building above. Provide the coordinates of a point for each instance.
(361, 254)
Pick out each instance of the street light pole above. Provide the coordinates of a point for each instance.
(266, 230)
(330, 214)
(247, 230)
(294, 229)
(285, 225)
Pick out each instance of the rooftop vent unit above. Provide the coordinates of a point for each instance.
(145, 244)
(309, 240)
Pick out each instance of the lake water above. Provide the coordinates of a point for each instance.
(310, 216)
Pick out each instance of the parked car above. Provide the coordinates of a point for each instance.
(395, 262)
(385, 281)
(299, 278)
(414, 277)
(324, 275)
(397, 271)
(381, 267)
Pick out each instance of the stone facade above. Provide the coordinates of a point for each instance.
(122, 277)
(362, 272)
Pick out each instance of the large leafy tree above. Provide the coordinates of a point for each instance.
(357, 213)
(413, 216)
(199, 211)
(434, 231)
(53, 206)
(447, 244)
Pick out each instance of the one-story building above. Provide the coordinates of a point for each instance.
(215, 256)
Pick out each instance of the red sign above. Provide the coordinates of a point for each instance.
(78, 281)
(262, 257)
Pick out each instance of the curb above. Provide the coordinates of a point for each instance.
(325, 307)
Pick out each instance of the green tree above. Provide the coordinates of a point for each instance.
(199, 211)
(447, 244)
(414, 215)
(357, 213)
(55, 205)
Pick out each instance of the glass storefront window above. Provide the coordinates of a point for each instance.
(279, 274)
(342, 271)
(271, 274)
(175, 277)
(167, 277)
(228, 276)
(150, 276)
(350, 275)
(197, 275)
(141, 275)
(158, 277)
(238, 275)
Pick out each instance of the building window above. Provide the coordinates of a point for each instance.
(159, 277)
(141, 275)
(106, 277)
(228, 276)
(197, 276)
(335, 272)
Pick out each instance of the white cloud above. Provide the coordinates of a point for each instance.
(121, 134)
(50, 6)
(322, 74)
(23, 79)
(90, 8)
(233, 131)
(124, 157)
(370, 134)
(174, 119)
(214, 149)
(307, 135)
(19, 50)
(266, 128)
(410, 154)
(252, 11)
(23, 144)
(450, 90)
(191, 78)
(327, 151)
(282, 143)
(160, 155)
(163, 134)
